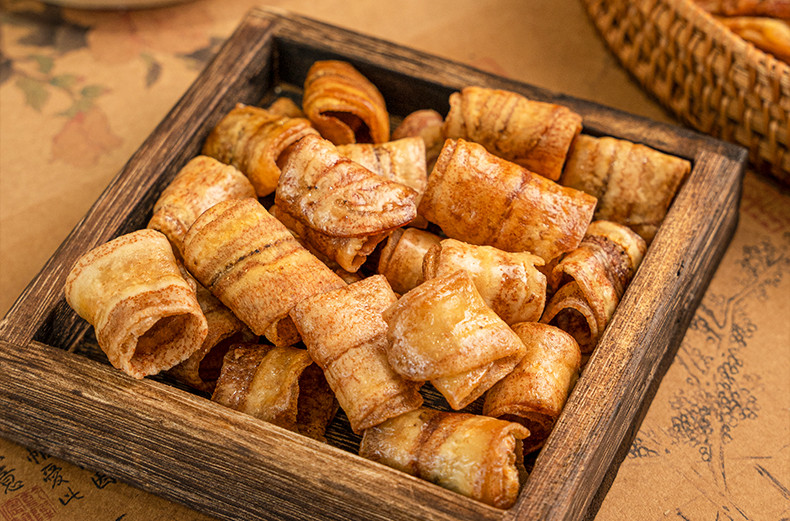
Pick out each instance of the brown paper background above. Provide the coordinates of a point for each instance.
(81, 90)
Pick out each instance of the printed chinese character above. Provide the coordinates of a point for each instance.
(35, 456)
(69, 496)
(52, 475)
(102, 480)
(8, 482)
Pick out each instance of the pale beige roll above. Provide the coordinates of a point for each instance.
(280, 385)
(442, 331)
(534, 394)
(199, 185)
(253, 264)
(597, 272)
(634, 184)
(402, 160)
(401, 257)
(509, 282)
(256, 142)
(477, 456)
(532, 134)
(146, 316)
(344, 105)
(427, 125)
(482, 199)
(202, 368)
(345, 334)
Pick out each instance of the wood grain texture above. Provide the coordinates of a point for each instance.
(188, 449)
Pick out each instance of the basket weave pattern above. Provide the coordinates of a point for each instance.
(710, 78)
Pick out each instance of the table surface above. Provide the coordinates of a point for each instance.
(81, 89)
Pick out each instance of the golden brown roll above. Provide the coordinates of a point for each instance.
(350, 253)
(402, 256)
(477, 456)
(535, 392)
(286, 107)
(442, 331)
(280, 385)
(347, 337)
(509, 283)
(402, 161)
(634, 184)
(344, 208)
(771, 35)
(532, 134)
(202, 368)
(250, 261)
(343, 105)
(146, 316)
(773, 8)
(202, 183)
(427, 125)
(479, 198)
(255, 141)
(591, 280)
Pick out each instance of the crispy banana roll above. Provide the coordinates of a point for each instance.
(482, 199)
(286, 107)
(442, 331)
(509, 282)
(771, 8)
(202, 183)
(634, 184)
(145, 313)
(401, 257)
(771, 35)
(280, 385)
(533, 134)
(344, 209)
(253, 264)
(344, 105)
(402, 161)
(477, 456)
(427, 125)
(349, 253)
(202, 368)
(535, 392)
(347, 337)
(592, 279)
(256, 142)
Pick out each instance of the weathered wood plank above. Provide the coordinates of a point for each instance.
(194, 451)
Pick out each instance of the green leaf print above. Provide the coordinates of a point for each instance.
(36, 93)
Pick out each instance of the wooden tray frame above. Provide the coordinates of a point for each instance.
(232, 466)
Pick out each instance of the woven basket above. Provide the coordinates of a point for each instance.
(709, 77)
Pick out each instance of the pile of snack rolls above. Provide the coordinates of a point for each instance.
(311, 259)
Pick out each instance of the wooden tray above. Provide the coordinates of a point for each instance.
(185, 448)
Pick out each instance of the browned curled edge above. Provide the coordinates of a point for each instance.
(344, 105)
